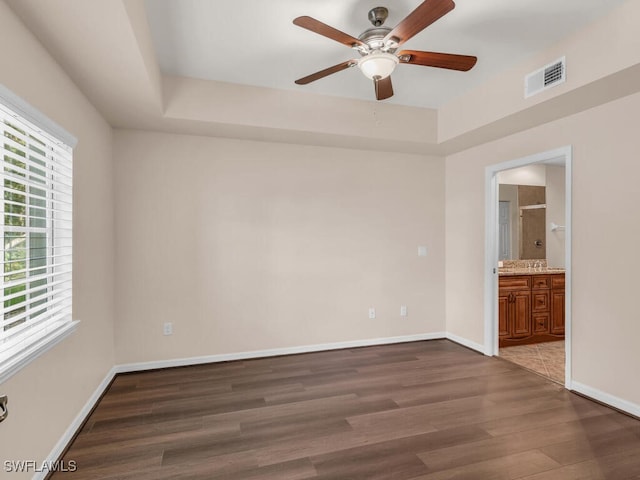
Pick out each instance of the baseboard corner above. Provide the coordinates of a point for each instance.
(73, 428)
(599, 396)
(465, 342)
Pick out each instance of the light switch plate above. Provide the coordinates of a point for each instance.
(422, 251)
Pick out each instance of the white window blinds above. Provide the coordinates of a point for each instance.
(36, 277)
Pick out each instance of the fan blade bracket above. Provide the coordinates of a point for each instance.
(404, 58)
(392, 42)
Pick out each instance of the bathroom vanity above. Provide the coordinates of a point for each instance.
(530, 305)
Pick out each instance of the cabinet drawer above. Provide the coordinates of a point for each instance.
(541, 281)
(540, 301)
(557, 281)
(514, 283)
(541, 322)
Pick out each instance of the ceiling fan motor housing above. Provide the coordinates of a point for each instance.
(374, 38)
(378, 15)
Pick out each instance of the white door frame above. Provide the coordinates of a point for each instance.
(491, 248)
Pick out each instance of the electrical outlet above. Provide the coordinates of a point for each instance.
(403, 310)
(372, 313)
(168, 328)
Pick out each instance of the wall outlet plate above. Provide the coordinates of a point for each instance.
(372, 313)
(403, 310)
(167, 329)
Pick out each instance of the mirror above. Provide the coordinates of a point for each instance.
(522, 222)
(531, 201)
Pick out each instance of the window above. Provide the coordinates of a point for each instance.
(36, 275)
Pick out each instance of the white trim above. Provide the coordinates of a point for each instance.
(274, 352)
(466, 343)
(568, 276)
(606, 398)
(28, 355)
(33, 115)
(492, 255)
(75, 425)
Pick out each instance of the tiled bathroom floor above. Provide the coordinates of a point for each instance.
(544, 358)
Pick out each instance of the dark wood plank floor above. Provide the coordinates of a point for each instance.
(424, 410)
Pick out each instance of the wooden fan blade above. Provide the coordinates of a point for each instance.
(327, 71)
(327, 31)
(384, 88)
(439, 60)
(427, 12)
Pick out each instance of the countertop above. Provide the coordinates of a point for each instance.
(530, 271)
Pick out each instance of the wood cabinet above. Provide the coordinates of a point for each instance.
(557, 305)
(530, 308)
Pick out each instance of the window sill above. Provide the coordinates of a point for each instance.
(12, 365)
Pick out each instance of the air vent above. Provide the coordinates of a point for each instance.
(544, 78)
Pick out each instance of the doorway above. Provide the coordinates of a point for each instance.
(493, 252)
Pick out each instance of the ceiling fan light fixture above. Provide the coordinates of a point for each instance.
(378, 64)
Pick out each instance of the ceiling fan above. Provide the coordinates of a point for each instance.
(377, 46)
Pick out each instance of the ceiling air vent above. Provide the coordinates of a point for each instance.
(544, 78)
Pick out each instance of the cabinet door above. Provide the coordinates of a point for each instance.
(521, 314)
(503, 315)
(557, 312)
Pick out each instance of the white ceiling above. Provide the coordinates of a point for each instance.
(254, 42)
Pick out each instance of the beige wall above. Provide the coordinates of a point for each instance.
(46, 396)
(605, 172)
(248, 246)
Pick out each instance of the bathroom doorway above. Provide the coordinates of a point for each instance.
(537, 258)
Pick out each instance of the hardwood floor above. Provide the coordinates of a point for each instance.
(424, 410)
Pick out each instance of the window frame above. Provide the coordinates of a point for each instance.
(22, 351)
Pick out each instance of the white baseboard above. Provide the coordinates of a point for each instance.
(75, 425)
(606, 398)
(227, 357)
(466, 343)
